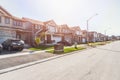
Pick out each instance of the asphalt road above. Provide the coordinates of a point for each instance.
(101, 63)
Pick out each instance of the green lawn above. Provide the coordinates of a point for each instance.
(41, 48)
(68, 49)
(99, 43)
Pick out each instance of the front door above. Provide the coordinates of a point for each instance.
(48, 38)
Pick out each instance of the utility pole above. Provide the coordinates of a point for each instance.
(87, 35)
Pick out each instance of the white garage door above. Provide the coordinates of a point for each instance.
(6, 34)
(57, 39)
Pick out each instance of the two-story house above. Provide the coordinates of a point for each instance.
(51, 35)
(11, 26)
(6, 25)
(66, 32)
(36, 28)
(84, 34)
(18, 25)
(93, 36)
(76, 31)
(101, 37)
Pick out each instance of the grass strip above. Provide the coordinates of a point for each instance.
(68, 49)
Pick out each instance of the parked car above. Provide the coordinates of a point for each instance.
(12, 44)
(65, 43)
(1, 47)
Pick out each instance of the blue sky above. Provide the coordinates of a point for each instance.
(71, 12)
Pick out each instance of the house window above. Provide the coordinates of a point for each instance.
(7, 20)
(14, 23)
(51, 28)
(37, 26)
(17, 23)
(21, 24)
(77, 32)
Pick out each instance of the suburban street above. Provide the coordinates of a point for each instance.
(100, 63)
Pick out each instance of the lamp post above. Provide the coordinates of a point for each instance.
(88, 27)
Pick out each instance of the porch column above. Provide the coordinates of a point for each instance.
(51, 37)
(45, 38)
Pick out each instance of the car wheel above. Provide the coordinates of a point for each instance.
(20, 49)
(9, 48)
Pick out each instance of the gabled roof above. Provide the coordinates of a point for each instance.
(93, 32)
(64, 26)
(17, 18)
(33, 21)
(4, 12)
(84, 30)
(50, 22)
(76, 28)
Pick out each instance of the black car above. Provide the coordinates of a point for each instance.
(13, 44)
(1, 47)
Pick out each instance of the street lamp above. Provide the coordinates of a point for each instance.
(88, 27)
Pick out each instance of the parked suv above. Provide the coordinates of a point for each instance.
(1, 47)
(11, 44)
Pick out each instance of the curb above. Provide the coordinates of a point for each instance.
(3, 71)
(38, 62)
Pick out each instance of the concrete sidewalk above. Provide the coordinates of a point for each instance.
(22, 58)
(27, 52)
(26, 56)
(24, 52)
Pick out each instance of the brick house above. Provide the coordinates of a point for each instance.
(11, 26)
(76, 31)
(66, 33)
(84, 36)
(93, 36)
(36, 28)
(101, 37)
(51, 35)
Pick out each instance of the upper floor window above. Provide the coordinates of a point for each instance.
(21, 23)
(7, 20)
(77, 32)
(65, 31)
(17, 23)
(52, 29)
(14, 23)
(37, 26)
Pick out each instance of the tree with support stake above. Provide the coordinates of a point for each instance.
(75, 45)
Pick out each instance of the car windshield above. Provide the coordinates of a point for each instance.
(16, 41)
